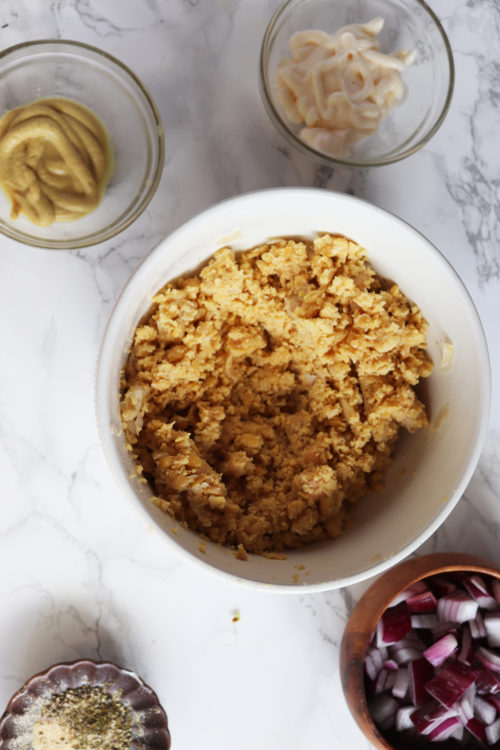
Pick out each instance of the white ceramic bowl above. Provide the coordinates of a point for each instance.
(432, 467)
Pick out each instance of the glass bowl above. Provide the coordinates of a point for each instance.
(363, 621)
(408, 24)
(59, 68)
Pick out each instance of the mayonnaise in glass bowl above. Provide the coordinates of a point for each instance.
(427, 76)
(58, 68)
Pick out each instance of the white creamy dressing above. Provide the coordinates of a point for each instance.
(340, 85)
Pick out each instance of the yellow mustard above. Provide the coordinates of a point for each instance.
(55, 160)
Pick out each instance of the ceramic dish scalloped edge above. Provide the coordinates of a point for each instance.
(366, 614)
(136, 694)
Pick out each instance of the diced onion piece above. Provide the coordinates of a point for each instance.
(457, 607)
(441, 650)
(383, 709)
(391, 665)
(424, 622)
(477, 728)
(374, 661)
(484, 710)
(487, 657)
(492, 626)
(449, 685)
(493, 732)
(401, 684)
(477, 628)
(445, 729)
(477, 588)
(394, 624)
(385, 681)
(441, 586)
(420, 672)
(421, 603)
(495, 587)
(429, 715)
(403, 720)
(466, 653)
(488, 683)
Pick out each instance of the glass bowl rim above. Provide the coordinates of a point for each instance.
(107, 233)
(320, 156)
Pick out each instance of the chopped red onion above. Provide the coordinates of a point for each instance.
(492, 626)
(457, 607)
(420, 673)
(394, 624)
(487, 657)
(374, 661)
(445, 729)
(403, 720)
(385, 681)
(464, 707)
(433, 666)
(484, 710)
(458, 733)
(401, 684)
(477, 628)
(441, 650)
(391, 665)
(443, 628)
(466, 653)
(494, 700)
(423, 602)
(424, 622)
(488, 683)
(441, 586)
(413, 590)
(495, 587)
(477, 588)
(493, 732)
(429, 715)
(383, 708)
(477, 728)
(449, 685)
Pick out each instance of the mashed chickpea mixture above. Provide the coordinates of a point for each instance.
(265, 394)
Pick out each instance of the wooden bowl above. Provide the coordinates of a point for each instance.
(366, 614)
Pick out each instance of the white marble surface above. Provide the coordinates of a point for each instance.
(79, 575)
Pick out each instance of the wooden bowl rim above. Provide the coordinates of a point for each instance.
(367, 613)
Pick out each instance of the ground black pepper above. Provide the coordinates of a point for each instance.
(84, 718)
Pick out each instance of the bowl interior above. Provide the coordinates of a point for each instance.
(432, 467)
(86, 75)
(408, 24)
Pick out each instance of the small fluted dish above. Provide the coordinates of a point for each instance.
(149, 716)
(73, 70)
(408, 25)
(363, 621)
